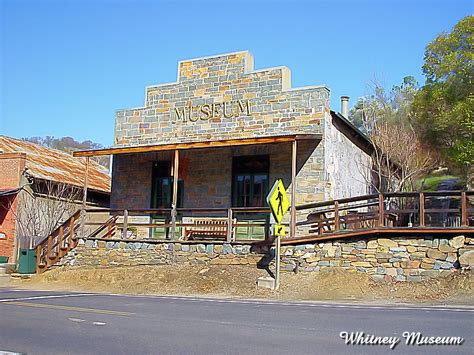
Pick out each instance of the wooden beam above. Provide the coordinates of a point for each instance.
(336, 216)
(86, 182)
(60, 238)
(464, 221)
(195, 145)
(125, 224)
(422, 209)
(84, 197)
(38, 257)
(71, 232)
(229, 225)
(293, 190)
(174, 202)
(381, 211)
(48, 250)
(378, 232)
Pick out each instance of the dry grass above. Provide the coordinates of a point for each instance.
(239, 281)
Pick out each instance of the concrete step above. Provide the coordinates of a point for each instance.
(266, 282)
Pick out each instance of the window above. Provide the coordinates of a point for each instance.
(162, 186)
(250, 180)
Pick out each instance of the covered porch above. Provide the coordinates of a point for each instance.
(199, 191)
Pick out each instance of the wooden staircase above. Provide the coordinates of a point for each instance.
(51, 249)
(65, 238)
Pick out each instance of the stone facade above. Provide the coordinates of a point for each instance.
(400, 259)
(207, 175)
(227, 83)
(276, 108)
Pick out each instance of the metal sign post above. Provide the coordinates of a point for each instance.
(279, 205)
(277, 263)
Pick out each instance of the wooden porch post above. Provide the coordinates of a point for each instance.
(381, 211)
(175, 194)
(464, 221)
(125, 224)
(293, 190)
(229, 225)
(422, 209)
(84, 198)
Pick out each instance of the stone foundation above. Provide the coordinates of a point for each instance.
(401, 259)
(100, 253)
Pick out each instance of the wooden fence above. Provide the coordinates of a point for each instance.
(398, 211)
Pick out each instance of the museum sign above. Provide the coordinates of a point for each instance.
(228, 109)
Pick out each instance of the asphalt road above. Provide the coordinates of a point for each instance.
(37, 322)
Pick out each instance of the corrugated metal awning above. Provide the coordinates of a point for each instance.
(55, 165)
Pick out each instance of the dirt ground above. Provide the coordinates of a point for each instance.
(240, 281)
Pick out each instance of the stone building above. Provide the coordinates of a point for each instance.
(219, 137)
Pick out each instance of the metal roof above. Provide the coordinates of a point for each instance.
(52, 164)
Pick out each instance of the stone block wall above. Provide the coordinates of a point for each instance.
(276, 108)
(207, 174)
(400, 259)
(403, 259)
(99, 253)
(131, 179)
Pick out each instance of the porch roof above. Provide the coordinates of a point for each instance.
(197, 145)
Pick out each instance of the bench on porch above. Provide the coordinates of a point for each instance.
(207, 228)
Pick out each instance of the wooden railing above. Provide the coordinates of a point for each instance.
(447, 210)
(190, 224)
(52, 248)
(425, 212)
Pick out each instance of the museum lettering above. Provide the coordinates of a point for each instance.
(229, 109)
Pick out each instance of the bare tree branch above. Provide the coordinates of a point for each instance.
(399, 157)
(42, 210)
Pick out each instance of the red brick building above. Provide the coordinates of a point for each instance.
(25, 169)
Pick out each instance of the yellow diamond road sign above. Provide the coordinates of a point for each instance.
(278, 200)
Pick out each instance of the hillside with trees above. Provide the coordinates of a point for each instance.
(444, 106)
(416, 129)
(69, 144)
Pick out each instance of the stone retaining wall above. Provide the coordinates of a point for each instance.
(100, 253)
(402, 259)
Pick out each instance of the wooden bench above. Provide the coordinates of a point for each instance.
(207, 228)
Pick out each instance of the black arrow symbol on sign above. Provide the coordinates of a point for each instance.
(279, 229)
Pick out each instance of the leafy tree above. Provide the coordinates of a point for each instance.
(391, 107)
(444, 106)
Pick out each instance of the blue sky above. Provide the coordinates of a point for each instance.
(66, 66)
